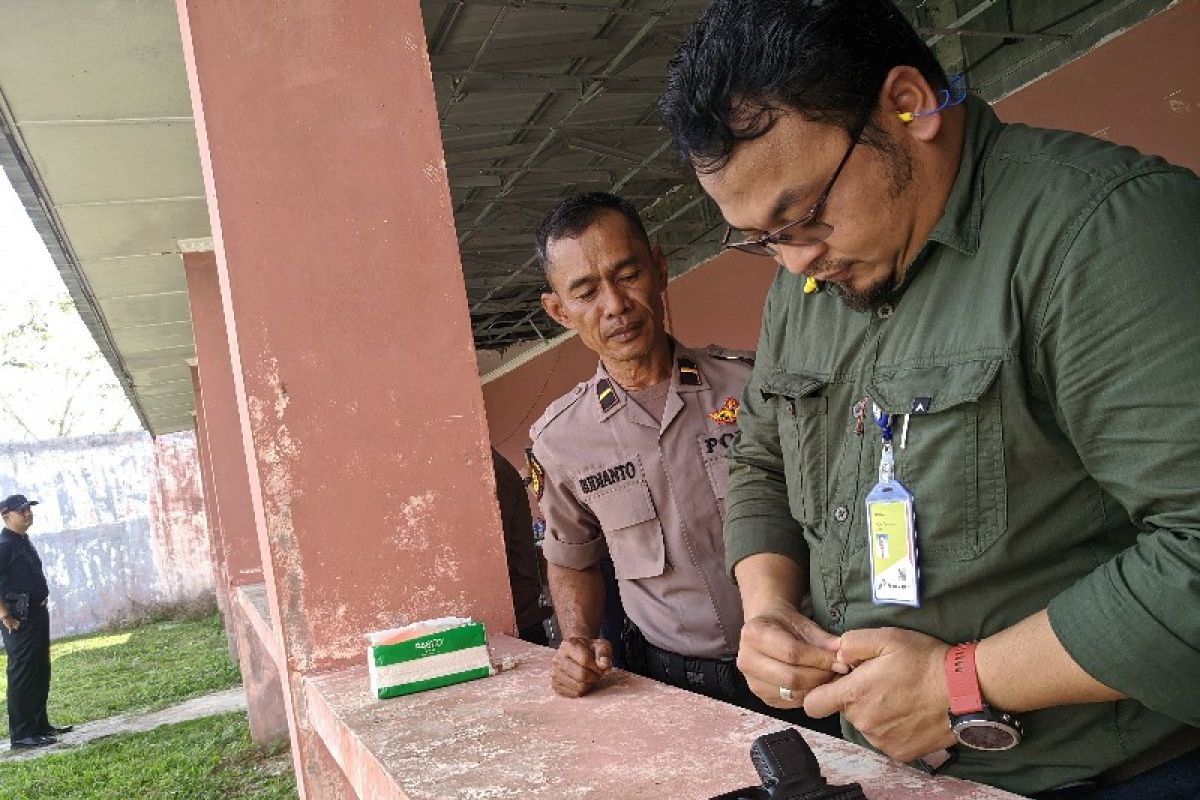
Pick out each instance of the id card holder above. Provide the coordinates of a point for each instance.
(891, 531)
(892, 541)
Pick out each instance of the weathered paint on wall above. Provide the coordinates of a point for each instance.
(120, 523)
(180, 537)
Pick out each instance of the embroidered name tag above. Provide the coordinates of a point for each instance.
(607, 477)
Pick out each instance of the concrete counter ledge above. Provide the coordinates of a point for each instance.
(509, 736)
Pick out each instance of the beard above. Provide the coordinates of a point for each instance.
(869, 298)
(897, 163)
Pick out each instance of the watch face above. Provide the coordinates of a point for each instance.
(983, 734)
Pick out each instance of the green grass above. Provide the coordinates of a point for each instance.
(205, 759)
(145, 668)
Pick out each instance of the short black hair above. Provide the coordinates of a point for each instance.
(574, 215)
(824, 59)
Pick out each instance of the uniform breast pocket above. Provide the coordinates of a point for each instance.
(632, 530)
(714, 454)
(953, 459)
(801, 417)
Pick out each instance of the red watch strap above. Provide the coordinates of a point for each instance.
(961, 682)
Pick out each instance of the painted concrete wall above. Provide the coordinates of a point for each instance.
(1141, 89)
(121, 523)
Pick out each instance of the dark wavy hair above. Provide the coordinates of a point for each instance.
(574, 215)
(746, 60)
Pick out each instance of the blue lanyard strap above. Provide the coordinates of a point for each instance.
(884, 421)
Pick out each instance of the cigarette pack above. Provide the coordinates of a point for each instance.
(427, 655)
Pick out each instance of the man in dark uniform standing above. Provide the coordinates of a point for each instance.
(26, 631)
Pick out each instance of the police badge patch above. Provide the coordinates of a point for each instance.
(537, 475)
(726, 414)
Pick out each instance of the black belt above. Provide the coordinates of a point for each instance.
(714, 677)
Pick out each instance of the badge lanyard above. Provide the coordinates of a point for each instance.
(891, 529)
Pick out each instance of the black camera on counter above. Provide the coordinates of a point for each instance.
(789, 771)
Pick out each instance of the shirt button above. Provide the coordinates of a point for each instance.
(841, 513)
(884, 311)
(835, 614)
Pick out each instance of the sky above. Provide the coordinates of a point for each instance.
(53, 380)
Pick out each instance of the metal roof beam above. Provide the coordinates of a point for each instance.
(551, 84)
(536, 52)
(576, 5)
(471, 155)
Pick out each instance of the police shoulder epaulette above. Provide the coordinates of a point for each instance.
(689, 373)
(556, 408)
(726, 354)
(605, 394)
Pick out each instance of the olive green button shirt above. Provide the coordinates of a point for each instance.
(1052, 324)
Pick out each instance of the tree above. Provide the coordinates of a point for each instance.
(53, 380)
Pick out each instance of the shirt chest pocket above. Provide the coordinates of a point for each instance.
(714, 454)
(801, 415)
(632, 530)
(953, 456)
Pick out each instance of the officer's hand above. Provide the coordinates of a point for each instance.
(579, 664)
(781, 647)
(897, 694)
(12, 623)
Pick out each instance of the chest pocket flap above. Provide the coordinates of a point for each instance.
(632, 530)
(792, 385)
(953, 458)
(897, 390)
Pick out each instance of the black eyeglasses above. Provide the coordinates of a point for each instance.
(808, 229)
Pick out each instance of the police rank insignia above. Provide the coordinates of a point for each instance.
(689, 373)
(537, 475)
(726, 414)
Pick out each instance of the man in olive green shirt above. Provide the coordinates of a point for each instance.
(1018, 308)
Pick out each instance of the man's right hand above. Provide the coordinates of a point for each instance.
(782, 648)
(11, 623)
(579, 664)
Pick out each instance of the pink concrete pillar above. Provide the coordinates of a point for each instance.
(266, 710)
(360, 408)
(229, 503)
(216, 543)
(217, 400)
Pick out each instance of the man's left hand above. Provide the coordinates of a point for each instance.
(896, 695)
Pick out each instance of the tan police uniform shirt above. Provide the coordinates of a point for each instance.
(606, 471)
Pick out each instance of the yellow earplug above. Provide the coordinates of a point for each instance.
(905, 116)
(810, 285)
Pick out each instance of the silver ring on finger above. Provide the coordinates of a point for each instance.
(786, 694)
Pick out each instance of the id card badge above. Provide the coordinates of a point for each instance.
(892, 534)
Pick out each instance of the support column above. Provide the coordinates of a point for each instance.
(231, 506)
(216, 543)
(231, 483)
(361, 412)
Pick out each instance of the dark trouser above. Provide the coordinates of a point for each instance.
(719, 679)
(1177, 779)
(534, 634)
(28, 674)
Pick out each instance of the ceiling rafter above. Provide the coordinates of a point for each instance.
(546, 83)
(594, 91)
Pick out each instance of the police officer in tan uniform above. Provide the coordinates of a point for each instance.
(633, 460)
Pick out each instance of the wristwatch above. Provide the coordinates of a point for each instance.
(974, 723)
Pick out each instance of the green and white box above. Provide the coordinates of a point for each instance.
(427, 655)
